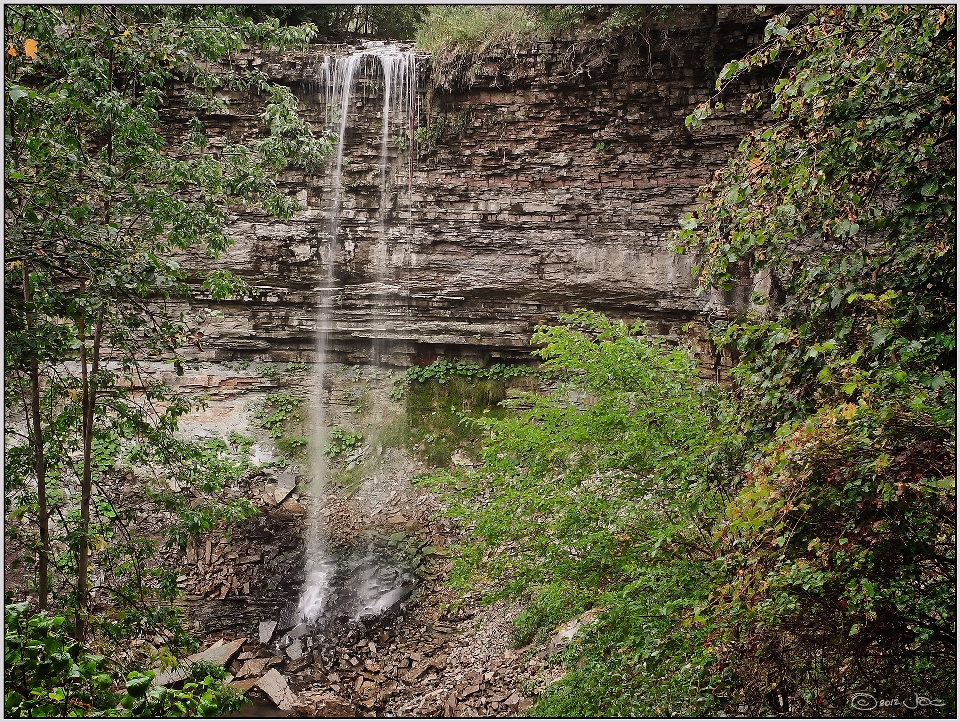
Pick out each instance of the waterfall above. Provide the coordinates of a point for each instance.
(395, 68)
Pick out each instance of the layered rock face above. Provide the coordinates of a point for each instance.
(542, 180)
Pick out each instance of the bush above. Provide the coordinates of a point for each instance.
(47, 674)
(341, 442)
(582, 501)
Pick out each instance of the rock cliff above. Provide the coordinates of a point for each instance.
(543, 179)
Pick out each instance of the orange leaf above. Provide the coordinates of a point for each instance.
(30, 48)
(11, 51)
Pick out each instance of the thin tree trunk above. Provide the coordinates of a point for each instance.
(88, 405)
(39, 459)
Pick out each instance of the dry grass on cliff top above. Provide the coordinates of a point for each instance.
(451, 29)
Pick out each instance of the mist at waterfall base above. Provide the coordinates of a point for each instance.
(364, 582)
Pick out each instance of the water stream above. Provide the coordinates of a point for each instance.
(391, 70)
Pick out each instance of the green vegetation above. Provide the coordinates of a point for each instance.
(451, 30)
(294, 447)
(582, 501)
(342, 442)
(242, 442)
(445, 398)
(442, 371)
(276, 411)
(395, 22)
(98, 204)
(270, 371)
(48, 674)
(779, 546)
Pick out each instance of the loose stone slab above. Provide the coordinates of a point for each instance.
(286, 483)
(220, 653)
(253, 667)
(276, 688)
(295, 650)
(266, 631)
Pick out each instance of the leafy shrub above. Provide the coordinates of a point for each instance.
(47, 674)
(583, 501)
(836, 541)
(442, 371)
(275, 411)
(342, 442)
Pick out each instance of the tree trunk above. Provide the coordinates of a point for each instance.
(39, 459)
(88, 405)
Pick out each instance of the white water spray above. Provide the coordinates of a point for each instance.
(337, 75)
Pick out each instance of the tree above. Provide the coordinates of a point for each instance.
(396, 22)
(97, 202)
(838, 541)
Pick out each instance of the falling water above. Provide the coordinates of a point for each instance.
(337, 76)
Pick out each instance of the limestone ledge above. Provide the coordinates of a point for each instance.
(554, 180)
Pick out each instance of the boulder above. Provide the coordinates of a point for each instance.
(275, 686)
(286, 483)
(295, 650)
(266, 631)
(253, 667)
(220, 653)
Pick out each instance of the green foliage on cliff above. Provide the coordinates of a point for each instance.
(442, 371)
(392, 22)
(840, 541)
(786, 546)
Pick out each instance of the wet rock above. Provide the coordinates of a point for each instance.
(298, 631)
(286, 483)
(388, 602)
(293, 508)
(275, 686)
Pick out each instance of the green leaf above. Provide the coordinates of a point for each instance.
(879, 335)
(16, 93)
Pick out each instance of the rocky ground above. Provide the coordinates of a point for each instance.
(393, 640)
